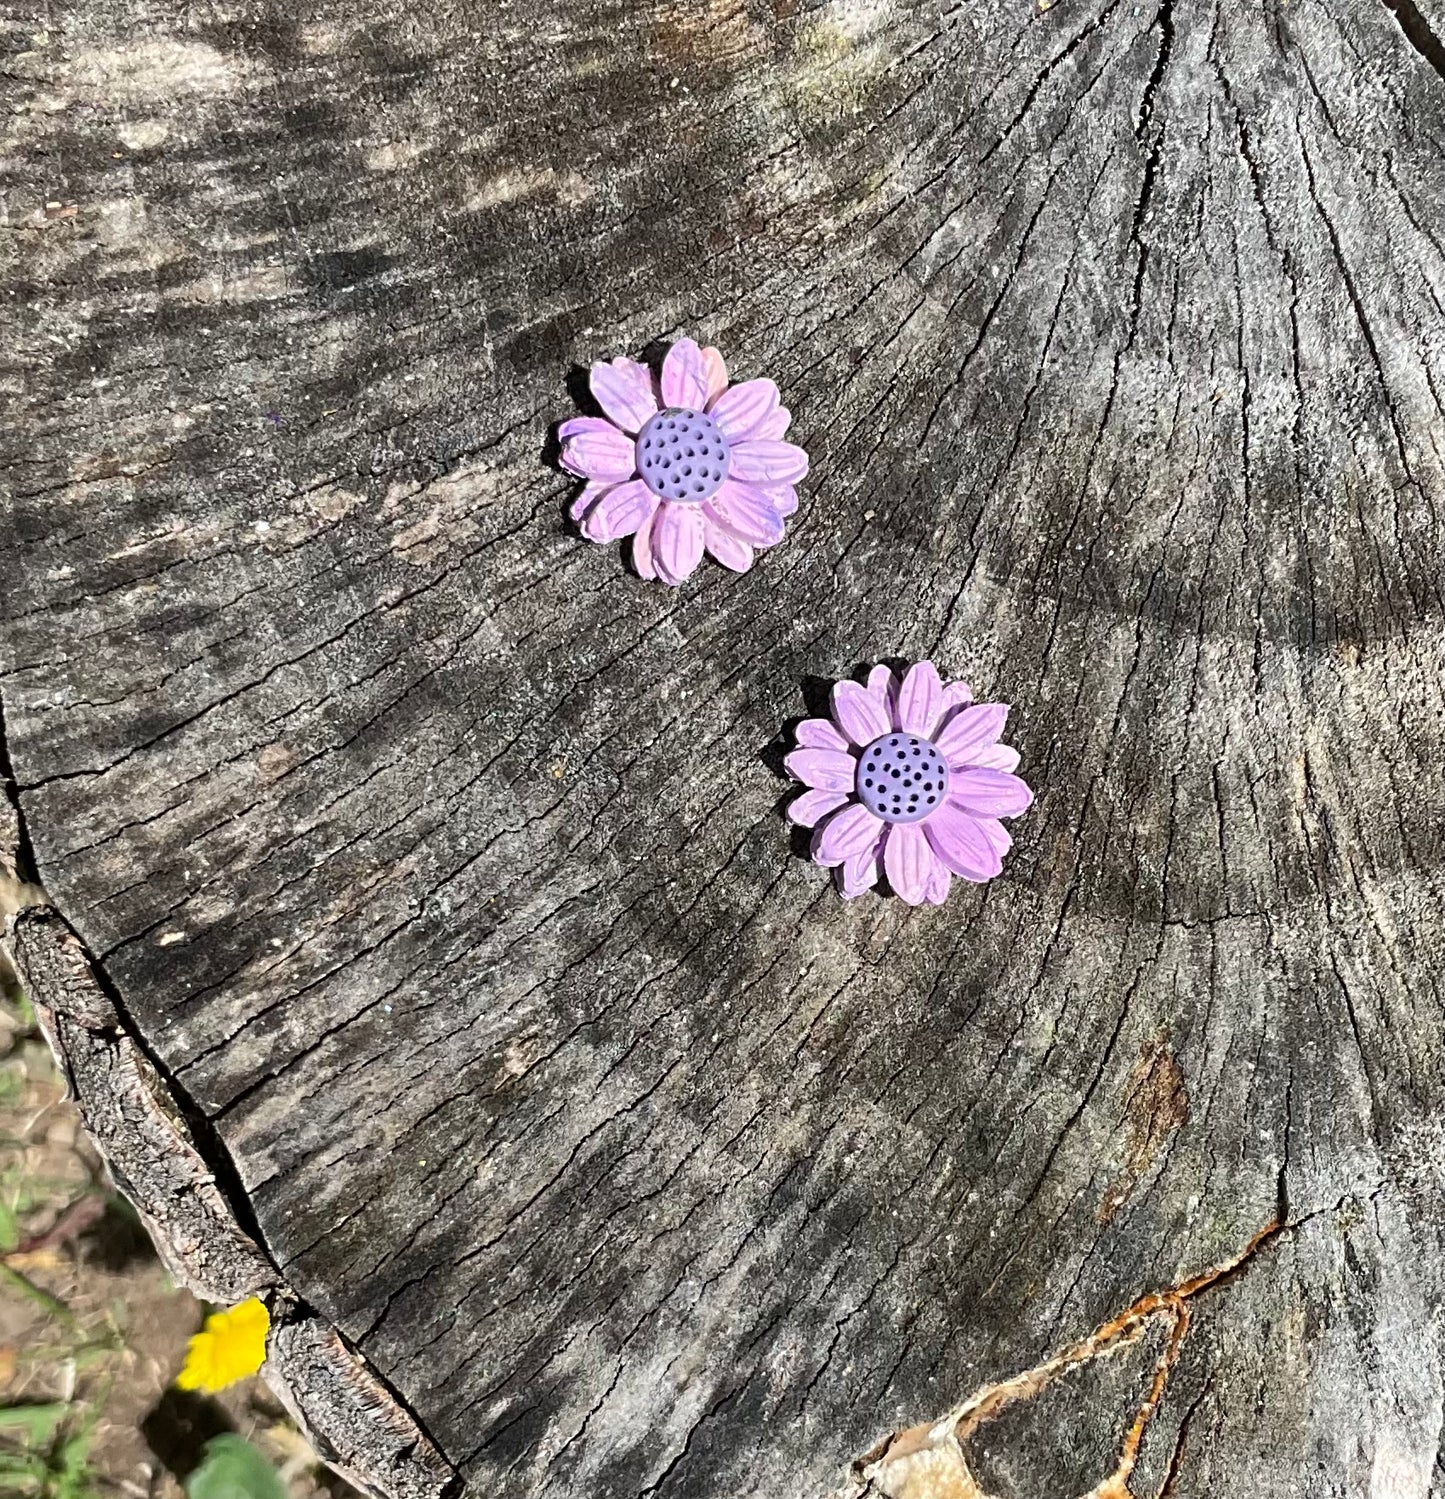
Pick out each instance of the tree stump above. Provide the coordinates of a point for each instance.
(420, 929)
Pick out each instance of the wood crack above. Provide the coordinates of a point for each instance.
(940, 1447)
(1418, 33)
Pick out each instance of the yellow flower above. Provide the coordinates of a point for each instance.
(231, 1346)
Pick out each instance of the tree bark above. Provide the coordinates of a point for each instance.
(424, 940)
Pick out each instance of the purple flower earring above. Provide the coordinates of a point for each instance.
(683, 465)
(907, 779)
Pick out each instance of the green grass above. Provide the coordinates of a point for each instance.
(12, 1073)
(12, 1086)
(45, 1446)
(45, 1451)
(52, 1305)
(21, 1194)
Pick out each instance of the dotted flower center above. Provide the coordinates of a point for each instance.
(902, 778)
(682, 456)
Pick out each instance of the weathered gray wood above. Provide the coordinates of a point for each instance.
(433, 861)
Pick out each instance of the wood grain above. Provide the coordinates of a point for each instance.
(434, 863)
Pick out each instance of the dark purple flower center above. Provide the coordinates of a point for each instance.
(682, 456)
(901, 778)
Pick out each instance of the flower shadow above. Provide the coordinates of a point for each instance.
(550, 455)
(179, 1425)
(815, 691)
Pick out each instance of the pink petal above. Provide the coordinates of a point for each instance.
(744, 510)
(824, 770)
(717, 374)
(989, 793)
(677, 537)
(969, 731)
(858, 713)
(642, 558)
(995, 757)
(996, 833)
(919, 699)
(775, 424)
(845, 835)
(726, 547)
(742, 409)
(820, 733)
(956, 695)
(623, 389)
(575, 425)
(782, 497)
(592, 491)
(908, 861)
(859, 873)
(767, 461)
(811, 806)
(961, 842)
(685, 376)
(938, 883)
(620, 512)
(599, 451)
(883, 687)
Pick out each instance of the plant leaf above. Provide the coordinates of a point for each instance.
(231, 1468)
(38, 1422)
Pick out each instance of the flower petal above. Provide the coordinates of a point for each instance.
(824, 770)
(677, 537)
(996, 833)
(938, 883)
(740, 410)
(859, 873)
(989, 793)
(726, 547)
(598, 451)
(767, 461)
(623, 389)
(231, 1346)
(744, 510)
(960, 841)
(858, 713)
(821, 733)
(995, 757)
(908, 861)
(883, 687)
(592, 491)
(846, 834)
(782, 497)
(685, 376)
(620, 512)
(775, 424)
(919, 699)
(956, 695)
(812, 806)
(642, 555)
(717, 374)
(969, 731)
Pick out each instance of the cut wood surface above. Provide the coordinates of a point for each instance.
(424, 938)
